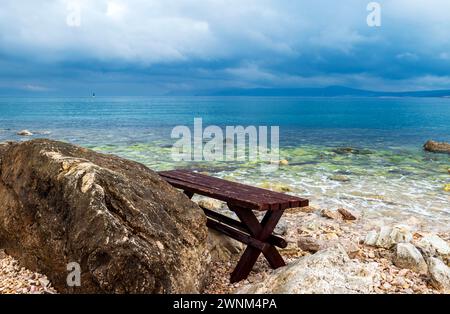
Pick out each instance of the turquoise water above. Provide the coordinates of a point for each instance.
(386, 173)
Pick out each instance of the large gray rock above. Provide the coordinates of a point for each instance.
(129, 230)
(327, 271)
(439, 274)
(437, 147)
(407, 256)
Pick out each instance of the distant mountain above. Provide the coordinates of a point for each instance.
(331, 91)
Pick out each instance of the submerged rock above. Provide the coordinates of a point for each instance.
(407, 256)
(340, 178)
(327, 271)
(277, 187)
(24, 133)
(284, 162)
(281, 162)
(351, 150)
(437, 147)
(128, 229)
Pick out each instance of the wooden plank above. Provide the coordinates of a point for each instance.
(228, 186)
(234, 186)
(237, 235)
(233, 192)
(250, 191)
(260, 231)
(229, 189)
(273, 239)
(196, 189)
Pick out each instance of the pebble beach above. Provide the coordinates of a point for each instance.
(15, 279)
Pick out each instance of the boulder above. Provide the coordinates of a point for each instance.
(437, 147)
(432, 245)
(387, 237)
(327, 271)
(439, 274)
(408, 257)
(129, 231)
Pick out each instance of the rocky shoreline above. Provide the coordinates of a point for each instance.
(330, 250)
(385, 273)
(334, 247)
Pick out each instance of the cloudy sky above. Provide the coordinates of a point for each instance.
(142, 47)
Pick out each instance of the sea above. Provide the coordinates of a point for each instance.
(364, 154)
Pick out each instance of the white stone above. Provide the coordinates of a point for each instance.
(24, 133)
(371, 238)
(327, 271)
(407, 256)
(433, 245)
(387, 237)
(439, 274)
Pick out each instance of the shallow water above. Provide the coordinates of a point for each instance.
(387, 173)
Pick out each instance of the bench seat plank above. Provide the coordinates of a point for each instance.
(232, 192)
(251, 192)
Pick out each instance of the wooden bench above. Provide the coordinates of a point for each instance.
(242, 200)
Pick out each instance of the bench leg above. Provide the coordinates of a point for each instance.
(260, 231)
